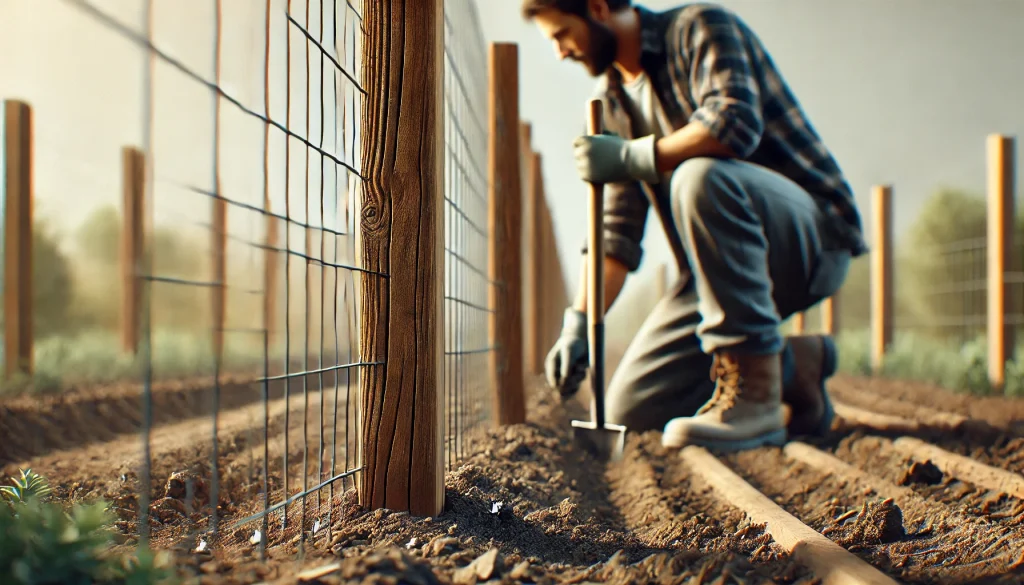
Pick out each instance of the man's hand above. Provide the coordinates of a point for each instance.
(566, 363)
(605, 158)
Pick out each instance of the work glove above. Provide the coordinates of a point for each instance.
(566, 364)
(606, 158)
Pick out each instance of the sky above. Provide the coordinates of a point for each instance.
(904, 92)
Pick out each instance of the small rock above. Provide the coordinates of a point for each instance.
(488, 564)
(465, 576)
(520, 571)
(439, 544)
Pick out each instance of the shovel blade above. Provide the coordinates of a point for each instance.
(605, 443)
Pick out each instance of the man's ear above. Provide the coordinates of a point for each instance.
(599, 10)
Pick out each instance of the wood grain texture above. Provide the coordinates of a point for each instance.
(133, 187)
(504, 224)
(19, 186)
(403, 236)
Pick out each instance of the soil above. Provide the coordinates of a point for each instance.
(525, 505)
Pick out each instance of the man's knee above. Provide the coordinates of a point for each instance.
(698, 187)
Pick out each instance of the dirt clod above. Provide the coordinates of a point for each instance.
(926, 473)
(875, 523)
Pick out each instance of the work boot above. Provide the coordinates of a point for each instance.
(744, 412)
(807, 362)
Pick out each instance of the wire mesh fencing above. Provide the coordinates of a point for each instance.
(467, 281)
(201, 231)
(196, 247)
(941, 291)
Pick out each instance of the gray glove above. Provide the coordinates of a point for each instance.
(566, 364)
(606, 158)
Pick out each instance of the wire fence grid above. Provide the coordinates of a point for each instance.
(221, 191)
(247, 157)
(467, 282)
(946, 292)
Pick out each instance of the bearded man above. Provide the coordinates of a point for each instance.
(704, 130)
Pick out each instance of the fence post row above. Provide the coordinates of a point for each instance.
(830, 315)
(402, 219)
(18, 165)
(881, 275)
(1000, 250)
(133, 173)
(504, 224)
(219, 242)
(531, 269)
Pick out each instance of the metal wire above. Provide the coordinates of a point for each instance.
(941, 291)
(467, 283)
(311, 340)
(275, 266)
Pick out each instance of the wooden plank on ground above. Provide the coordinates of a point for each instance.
(833, 564)
(886, 423)
(963, 468)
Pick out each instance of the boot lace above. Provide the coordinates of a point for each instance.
(725, 372)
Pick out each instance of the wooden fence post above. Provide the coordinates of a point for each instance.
(218, 247)
(881, 275)
(531, 277)
(1000, 256)
(133, 187)
(403, 218)
(546, 290)
(830, 315)
(19, 187)
(799, 323)
(504, 222)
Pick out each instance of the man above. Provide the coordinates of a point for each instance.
(703, 129)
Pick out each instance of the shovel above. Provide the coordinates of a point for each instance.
(602, 440)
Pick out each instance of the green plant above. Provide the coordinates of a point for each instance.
(957, 367)
(41, 544)
(27, 485)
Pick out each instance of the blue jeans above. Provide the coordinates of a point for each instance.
(758, 250)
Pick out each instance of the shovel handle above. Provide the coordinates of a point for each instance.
(595, 275)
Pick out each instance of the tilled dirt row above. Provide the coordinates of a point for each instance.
(527, 506)
(33, 425)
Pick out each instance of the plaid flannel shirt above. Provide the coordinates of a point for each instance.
(706, 65)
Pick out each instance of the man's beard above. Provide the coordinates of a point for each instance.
(602, 50)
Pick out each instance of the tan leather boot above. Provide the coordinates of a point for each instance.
(744, 412)
(808, 361)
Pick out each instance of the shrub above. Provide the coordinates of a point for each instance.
(95, 357)
(41, 544)
(962, 368)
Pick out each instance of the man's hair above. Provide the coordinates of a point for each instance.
(575, 7)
